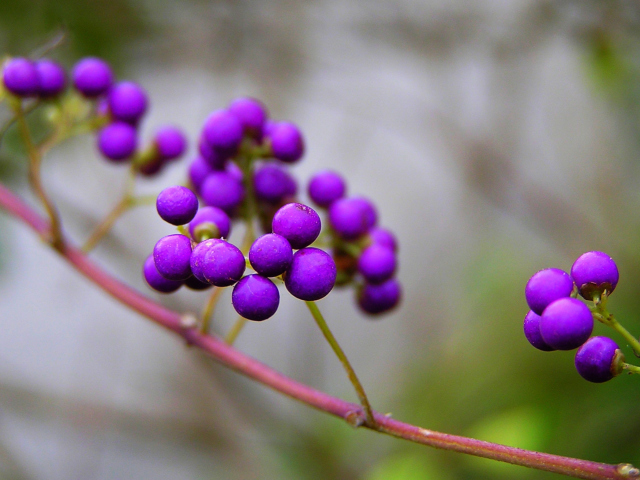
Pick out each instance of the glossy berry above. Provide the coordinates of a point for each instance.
(593, 273)
(20, 77)
(532, 331)
(566, 324)
(383, 237)
(546, 286)
(377, 264)
(92, 77)
(170, 142)
(193, 283)
(352, 217)
(127, 102)
(270, 255)
(299, 224)
(287, 144)
(255, 297)
(272, 183)
(177, 205)
(223, 132)
(118, 141)
(209, 222)
(596, 360)
(199, 169)
(217, 262)
(222, 190)
(157, 281)
(325, 187)
(311, 275)
(52, 79)
(251, 113)
(376, 299)
(172, 255)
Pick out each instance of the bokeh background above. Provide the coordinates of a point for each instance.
(497, 138)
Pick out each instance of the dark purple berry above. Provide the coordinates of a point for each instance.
(20, 77)
(118, 141)
(234, 170)
(299, 224)
(52, 78)
(157, 281)
(92, 77)
(199, 169)
(383, 237)
(593, 273)
(223, 132)
(170, 142)
(213, 159)
(209, 222)
(566, 324)
(193, 283)
(311, 275)
(377, 264)
(287, 144)
(326, 187)
(255, 297)
(599, 359)
(546, 286)
(376, 299)
(217, 262)
(127, 102)
(272, 183)
(150, 167)
(177, 205)
(251, 113)
(172, 255)
(532, 331)
(222, 190)
(270, 255)
(352, 217)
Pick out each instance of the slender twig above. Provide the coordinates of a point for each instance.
(251, 368)
(236, 328)
(631, 368)
(209, 307)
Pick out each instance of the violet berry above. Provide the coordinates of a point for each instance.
(599, 360)
(193, 283)
(593, 273)
(20, 77)
(157, 281)
(311, 275)
(127, 102)
(325, 187)
(117, 141)
(92, 77)
(566, 324)
(352, 217)
(255, 298)
(287, 144)
(199, 169)
(251, 113)
(215, 160)
(532, 331)
(377, 263)
(52, 78)
(177, 205)
(223, 132)
(270, 255)
(298, 223)
(383, 237)
(170, 142)
(272, 183)
(209, 222)
(376, 299)
(546, 286)
(172, 255)
(217, 262)
(222, 190)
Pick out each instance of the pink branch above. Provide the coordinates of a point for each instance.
(256, 370)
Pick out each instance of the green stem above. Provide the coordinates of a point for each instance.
(236, 328)
(210, 306)
(631, 368)
(607, 318)
(324, 328)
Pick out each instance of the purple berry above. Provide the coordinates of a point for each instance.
(532, 331)
(272, 183)
(287, 144)
(193, 283)
(377, 264)
(118, 141)
(170, 142)
(352, 217)
(383, 237)
(222, 190)
(127, 102)
(215, 160)
(255, 298)
(311, 275)
(223, 132)
(593, 273)
(20, 77)
(326, 187)
(199, 169)
(217, 262)
(599, 359)
(376, 299)
(177, 205)
(92, 77)
(209, 222)
(157, 281)
(299, 224)
(546, 286)
(234, 170)
(171, 255)
(566, 324)
(251, 113)
(270, 255)
(52, 78)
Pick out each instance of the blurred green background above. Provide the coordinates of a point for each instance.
(496, 138)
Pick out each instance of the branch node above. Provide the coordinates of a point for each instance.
(356, 418)
(188, 321)
(628, 471)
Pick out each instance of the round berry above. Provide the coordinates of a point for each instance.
(193, 283)
(20, 77)
(215, 160)
(376, 299)
(118, 141)
(599, 359)
(222, 190)
(255, 298)
(170, 142)
(251, 113)
(287, 144)
(217, 262)
(177, 205)
(326, 187)
(352, 217)
(593, 273)
(532, 331)
(172, 255)
(223, 132)
(273, 183)
(127, 102)
(377, 264)
(270, 255)
(311, 275)
(199, 169)
(299, 224)
(546, 286)
(566, 324)
(383, 237)
(157, 281)
(209, 222)
(52, 78)
(92, 77)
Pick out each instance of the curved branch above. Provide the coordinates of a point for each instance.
(185, 326)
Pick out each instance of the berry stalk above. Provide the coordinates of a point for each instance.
(236, 328)
(607, 318)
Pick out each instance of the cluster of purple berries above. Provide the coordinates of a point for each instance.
(559, 321)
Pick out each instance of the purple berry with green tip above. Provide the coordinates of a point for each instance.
(287, 144)
(546, 286)
(223, 133)
(20, 77)
(222, 190)
(377, 299)
(170, 142)
(127, 102)
(92, 77)
(52, 78)
(325, 187)
(599, 360)
(377, 264)
(593, 273)
(118, 141)
(270, 255)
(532, 331)
(209, 222)
(217, 262)
(172, 255)
(255, 298)
(566, 324)
(298, 223)
(157, 281)
(177, 205)
(311, 275)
